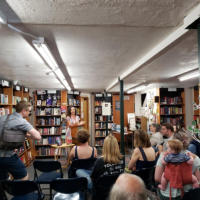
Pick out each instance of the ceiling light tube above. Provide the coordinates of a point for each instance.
(66, 85)
(189, 76)
(2, 18)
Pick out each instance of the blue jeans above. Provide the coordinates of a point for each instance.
(192, 148)
(85, 173)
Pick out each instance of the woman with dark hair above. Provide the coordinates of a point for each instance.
(144, 156)
(72, 120)
(83, 151)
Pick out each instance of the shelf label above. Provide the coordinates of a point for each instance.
(99, 95)
(172, 89)
(76, 92)
(25, 89)
(51, 91)
(5, 83)
(17, 87)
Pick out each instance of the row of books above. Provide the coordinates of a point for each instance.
(98, 103)
(3, 99)
(48, 111)
(102, 125)
(51, 121)
(73, 102)
(103, 118)
(100, 133)
(170, 110)
(48, 103)
(16, 99)
(99, 142)
(49, 140)
(46, 151)
(174, 121)
(4, 111)
(171, 100)
(98, 110)
(27, 144)
(49, 131)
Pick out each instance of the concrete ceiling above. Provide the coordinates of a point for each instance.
(97, 40)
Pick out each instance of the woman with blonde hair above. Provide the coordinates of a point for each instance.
(111, 161)
(144, 156)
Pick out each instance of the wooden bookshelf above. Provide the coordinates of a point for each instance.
(196, 113)
(10, 95)
(100, 120)
(172, 107)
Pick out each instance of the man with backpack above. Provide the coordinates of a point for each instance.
(13, 129)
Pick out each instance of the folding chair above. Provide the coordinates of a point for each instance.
(102, 186)
(80, 164)
(23, 190)
(71, 187)
(50, 170)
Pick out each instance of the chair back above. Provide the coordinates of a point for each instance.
(147, 175)
(103, 185)
(193, 194)
(80, 164)
(19, 188)
(69, 186)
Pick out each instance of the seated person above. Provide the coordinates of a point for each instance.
(83, 151)
(111, 161)
(144, 156)
(174, 156)
(156, 137)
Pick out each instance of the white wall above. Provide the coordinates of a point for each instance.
(138, 104)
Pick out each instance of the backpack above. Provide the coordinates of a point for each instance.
(11, 139)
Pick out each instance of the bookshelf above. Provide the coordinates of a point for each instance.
(171, 106)
(74, 100)
(10, 95)
(100, 120)
(196, 113)
(47, 121)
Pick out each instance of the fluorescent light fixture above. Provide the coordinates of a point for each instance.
(2, 18)
(189, 76)
(45, 53)
(137, 89)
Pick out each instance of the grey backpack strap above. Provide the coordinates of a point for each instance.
(4, 125)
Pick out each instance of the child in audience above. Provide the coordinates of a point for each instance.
(174, 156)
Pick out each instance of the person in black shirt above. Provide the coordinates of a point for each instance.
(111, 162)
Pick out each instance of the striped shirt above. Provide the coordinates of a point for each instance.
(176, 158)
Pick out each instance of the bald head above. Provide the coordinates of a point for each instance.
(128, 187)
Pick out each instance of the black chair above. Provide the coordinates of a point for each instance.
(69, 186)
(102, 186)
(23, 190)
(193, 194)
(50, 170)
(80, 164)
(147, 175)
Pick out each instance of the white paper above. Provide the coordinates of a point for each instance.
(106, 108)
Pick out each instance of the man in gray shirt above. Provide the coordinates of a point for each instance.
(9, 161)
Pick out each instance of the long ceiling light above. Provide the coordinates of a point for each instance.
(137, 89)
(45, 53)
(2, 18)
(188, 76)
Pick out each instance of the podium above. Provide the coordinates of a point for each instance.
(74, 130)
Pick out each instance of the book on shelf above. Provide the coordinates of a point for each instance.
(16, 99)
(100, 133)
(99, 142)
(39, 102)
(171, 100)
(98, 103)
(4, 111)
(170, 110)
(51, 121)
(46, 151)
(3, 99)
(49, 101)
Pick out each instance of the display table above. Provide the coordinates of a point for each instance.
(66, 150)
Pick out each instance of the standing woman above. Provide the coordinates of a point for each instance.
(72, 120)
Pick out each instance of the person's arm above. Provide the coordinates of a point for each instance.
(71, 154)
(159, 169)
(134, 158)
(98, 166)
(95, 152)
(34, 134)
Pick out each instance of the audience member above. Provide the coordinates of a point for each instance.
(128, 187)
(144, 156)
(111, 162)
(9, 161)
(83, 151)
(176, 193)
(167, 131)
(156, 137)
(174, 156)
